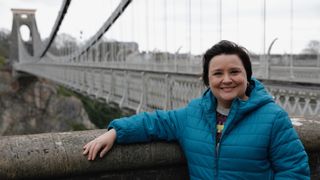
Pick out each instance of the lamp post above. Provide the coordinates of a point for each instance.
(268, 59)
(291, 40)
(264, 39)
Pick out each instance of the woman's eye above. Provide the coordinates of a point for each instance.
(235, 72)
(216, 73)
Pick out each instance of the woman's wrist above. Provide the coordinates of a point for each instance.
(112, 133)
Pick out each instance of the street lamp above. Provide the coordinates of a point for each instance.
(268, 59)
(291, 39)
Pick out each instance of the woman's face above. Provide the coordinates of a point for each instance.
(227, 79)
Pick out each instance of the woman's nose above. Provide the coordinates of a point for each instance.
(226, 79)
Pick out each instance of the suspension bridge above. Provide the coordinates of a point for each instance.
(118, 71)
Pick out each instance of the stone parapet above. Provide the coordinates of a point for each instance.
(59, 155)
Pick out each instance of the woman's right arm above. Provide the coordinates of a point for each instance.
(148, 126)
(138, 128)
(100, 144)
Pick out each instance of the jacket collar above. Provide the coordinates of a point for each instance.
(239, 108)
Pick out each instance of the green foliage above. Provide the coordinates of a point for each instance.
(62, 91)
(99, 113)
(2, 61)
(4, 43)
(4, 47)
(78, 127)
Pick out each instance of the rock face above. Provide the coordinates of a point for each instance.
(30, 105)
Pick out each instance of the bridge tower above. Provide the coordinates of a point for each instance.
(24, 51)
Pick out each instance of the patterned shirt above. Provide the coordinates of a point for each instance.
(222, 114)
(221, 119)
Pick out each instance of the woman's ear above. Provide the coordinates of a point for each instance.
(249, 87)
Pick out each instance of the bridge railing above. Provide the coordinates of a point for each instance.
(98, 55)
(133, 89)
(146, 90)
(295, 74)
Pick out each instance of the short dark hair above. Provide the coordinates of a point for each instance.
(225, 47)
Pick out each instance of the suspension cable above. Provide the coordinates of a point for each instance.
(55, 29)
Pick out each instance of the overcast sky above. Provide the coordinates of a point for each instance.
(169, 25)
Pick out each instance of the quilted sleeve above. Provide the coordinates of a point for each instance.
(147, 126)
(288, 157)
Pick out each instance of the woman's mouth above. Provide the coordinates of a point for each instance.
(227, 89)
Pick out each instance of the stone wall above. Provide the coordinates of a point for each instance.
(59, 156)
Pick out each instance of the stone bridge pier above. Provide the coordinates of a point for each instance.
(59, 156)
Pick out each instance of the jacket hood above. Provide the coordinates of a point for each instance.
(239, 108)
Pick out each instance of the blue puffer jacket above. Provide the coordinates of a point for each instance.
(258, 141)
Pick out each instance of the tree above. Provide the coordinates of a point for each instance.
(313, 47)
(4, 45)
(4, 42)
(63, 43)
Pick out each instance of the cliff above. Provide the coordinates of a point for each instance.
(30, 105)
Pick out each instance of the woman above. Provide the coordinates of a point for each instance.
(234, 131)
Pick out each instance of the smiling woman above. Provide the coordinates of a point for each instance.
(227, 79)
(228, 72)
(235, 130)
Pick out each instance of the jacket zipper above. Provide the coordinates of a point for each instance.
(217, 155)
(217, 149)
(217, 158)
